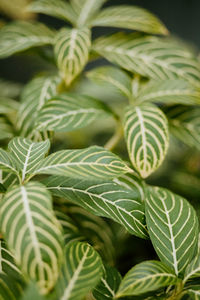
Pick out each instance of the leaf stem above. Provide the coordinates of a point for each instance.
(115, 138)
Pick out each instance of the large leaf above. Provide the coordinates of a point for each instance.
(131, 17)
(27, 154)
(71, 52)
(105, 199)
(80, 273)
(68, 112)
(22, 35)
(32, 233)
(149, 56)
(170, 92)
(9, 289)
(145, 277)
(114, 77)
(173, 228)
(93, 162)
(146, 133)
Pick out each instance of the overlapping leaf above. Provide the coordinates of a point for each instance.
(71, 52)
(31, 231)
(146, 133)
(145, 277)
(149, 56)
(131, 17)
(8, 179)
(193, 269)
(194, 292)
(173, 228)
(7, 161)
(21, 35)
(105, 199)
(81, 271)
(93, 162)
(9, 289)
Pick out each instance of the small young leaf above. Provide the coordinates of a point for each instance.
(9, 289)
(146, 277)
(173, 228)
(146, 133)
(81, 272)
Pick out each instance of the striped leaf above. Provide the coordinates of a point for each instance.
(170, 92)
(71, 52)
(32, 233)
(81, 272)
(114, 77)
(193, 269)
(7, 161)
(173, 228)
(194, 292)
(9, 289)
(106, 199)
(34, 96)
(8, 179)
(92, 162)
(149, 56)
(8, 105)
(130, 17)
(6, 130)
(21, 35)
(9, 89)
(146, 133)
(146, 277)
(108, 286)
(27, 154)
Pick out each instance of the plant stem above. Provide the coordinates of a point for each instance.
(115, 138)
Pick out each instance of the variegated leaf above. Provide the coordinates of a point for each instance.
(130, 17)
(71, 52)
(27, 154)
(193, 268)
(21, 35)
(9, 289)
(32, 233)
(7, 161)
(8, 179)
(149, 56)
(93, 162)
(146, 133)
(81, 271)
(173, 228)
(106, 199)
(6, 130)
(194, 292)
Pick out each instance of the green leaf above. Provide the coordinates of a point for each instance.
(114, 77)
(31, 292)
(106, 199)
(27, 154)
(9, 289)
(9, 89)
(21, 35)
(130, 17)
(146, 134)
(8, 179)
(173, 228)
(71, 52)
(32, 233)
(146, 277)
(170, 92)
(149, 56)
(8, 105)
(93, 162)
(6, 130)
(194, 292)
(7, 161)
(108, 286)
(81, 272)
(193, 268)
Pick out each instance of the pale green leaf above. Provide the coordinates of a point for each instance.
(93, 162)
(67, 112)
(21, 35)
(193, 268)
(114, 77)
(149, 56)
(27, 154)
(7, 161)
(146, 277)
(106, 199)
(81, 272)
(173, 228)
(6, 130)
(8, 105)
(9, 89)
(31, 292)
(32, 233)
(146, 133)
(71, 52)
(130, 17)
(9, 289)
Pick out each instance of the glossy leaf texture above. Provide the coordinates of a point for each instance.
(93, 162)
(113, 77)
(146, 277)
(81, 271)
(67, 112)
(71, 50)
(21, 35)
(130, 17)
(27, 154)
(32, 233)
(146, 134)
(105, 199)
(150, 56)
(173, 228)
